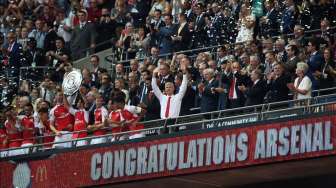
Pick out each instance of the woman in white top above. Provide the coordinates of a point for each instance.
(246, 24)
(302, 88)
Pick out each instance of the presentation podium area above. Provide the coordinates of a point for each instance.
(267, 144)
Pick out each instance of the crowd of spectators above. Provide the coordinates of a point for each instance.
(264, 54)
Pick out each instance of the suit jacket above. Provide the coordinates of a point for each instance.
(188, 101)
(199, 31)
(272, 26)
(240, 80)
(15, 56)
(288, 20)
(315, 63)
(185, 41)
(82, 39)
(153, 106)
(209, 100)
(256, 93)
(277, 89)
(290, 65)
(166, 43)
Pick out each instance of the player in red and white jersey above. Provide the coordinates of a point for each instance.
(61, 122)
(13, 131)
(81, 119)
(100, 116)
(3, 142)
(28, 128)
(122, 120)
(44, 126)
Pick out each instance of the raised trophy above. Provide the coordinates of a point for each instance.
(71, 84)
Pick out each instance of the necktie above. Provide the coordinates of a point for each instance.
(168, 107)
(232, 85)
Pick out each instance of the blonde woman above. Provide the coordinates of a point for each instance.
(302, 87)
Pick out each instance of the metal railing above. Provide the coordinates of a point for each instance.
(230, 117)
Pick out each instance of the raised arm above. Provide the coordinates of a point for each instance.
(184, 86)
(156, 90)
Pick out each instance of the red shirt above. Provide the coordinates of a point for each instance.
(121, 115)
(47, 135)
(62, 118)
(3, 137)
(28, 135)
(13, 133)
(100, 115)
(81, 120)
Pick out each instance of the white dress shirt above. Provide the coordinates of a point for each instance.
(175, 100)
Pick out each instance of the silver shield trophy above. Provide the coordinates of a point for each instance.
(71, 85)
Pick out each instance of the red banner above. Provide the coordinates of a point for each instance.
(185, 154)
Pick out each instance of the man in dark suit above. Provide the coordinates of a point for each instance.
(288, 18)
(269, 22)
(165, 35)
(14, 54)
(188, 100)
(256, 92)
(181, 36)
(290, 65)
(83, 37)
(199, 31)
(150, 102)
(315, 62)
(209, 97)
(277, 85)
(236, 97)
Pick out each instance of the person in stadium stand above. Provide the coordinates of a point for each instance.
(105, 87)
(207, 91)
(277, 84)
(61, 122)
(182, 35)
(100, 116)
(83, 37)
(235, 78)
(288, 17)
(164, 75)
(38, 33)
(290, 65)
(199, 25)
(81, 118)
(328, 71)
(14, 53)
(122, 120)
(34, 56)
(59, 55)
(170, 102)
(315, 62)
(46, 132)
(255, 94)
(302, 87)
(28, 128)
(13, 131)
(3, 141)
(149, 102)
(166, 34)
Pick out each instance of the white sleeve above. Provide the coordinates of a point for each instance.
(104, 114)
(86, 116)
(72, 111)
(133, 109)
(306, 84)
(156, 90)
(184, 86)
